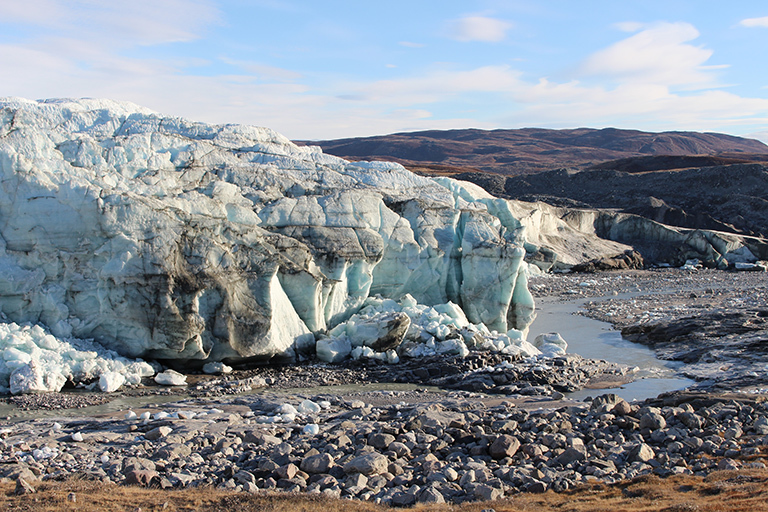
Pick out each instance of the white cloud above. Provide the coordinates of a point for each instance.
(641, 106)
(264, 72)
(657, 80)
(761, 136)
(117, 23)
(658, 54)
(479, 28)
(436, 85)
(755, 22)
(33, 12)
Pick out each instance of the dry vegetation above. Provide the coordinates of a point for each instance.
(721, 491)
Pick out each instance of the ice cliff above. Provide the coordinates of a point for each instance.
(165, 238)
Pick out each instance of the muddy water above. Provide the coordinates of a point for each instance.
(598, 340)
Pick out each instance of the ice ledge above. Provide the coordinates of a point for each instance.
(161, 237)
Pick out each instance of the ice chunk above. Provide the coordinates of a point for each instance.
(216, 368)
(551, 344)
(287, 409)
(171, 378)
(333, 350)
(30, 378)
(111, 381)
(308, 406)
(311, 430)
(58, 360)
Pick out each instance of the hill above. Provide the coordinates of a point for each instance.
(531, 150)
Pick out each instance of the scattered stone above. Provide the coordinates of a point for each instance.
(641, 453)
(142, 477)
(157, 433)
(317, 464)
(23, 487)
(504, 446)
(368, 464)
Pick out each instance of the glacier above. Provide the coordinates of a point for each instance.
(168, 239)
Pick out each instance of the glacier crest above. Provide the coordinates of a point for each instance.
(165, 238)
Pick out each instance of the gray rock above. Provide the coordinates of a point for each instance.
(605, 403)
(504, 446)
(430, 495)
(691, 420)
(399, 449)
(133, 463)
(504, 426)
(487, 493)
(368, 464)
(315, 464)
(142, 477)
(652, 421)
(451, 474)
(261, 438)
(289, 471)
(641, 453)
(403, 499)
(23, 487)
(381, 441)
(571, 454)
(157, 433)
(760, 426)
(356, 480)
(622, 408)
(727, 465)
(243, 477)
(173, 451)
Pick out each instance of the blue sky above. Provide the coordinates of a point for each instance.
(327, 69)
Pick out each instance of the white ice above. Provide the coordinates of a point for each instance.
(35, 361)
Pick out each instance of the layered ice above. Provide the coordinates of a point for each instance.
(164, 238)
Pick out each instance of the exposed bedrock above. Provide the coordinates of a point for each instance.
(669, 244)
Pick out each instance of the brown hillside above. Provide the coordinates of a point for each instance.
(531, 150)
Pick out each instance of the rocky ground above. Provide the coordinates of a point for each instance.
(448, 430)
(410, 448)
(715, 322)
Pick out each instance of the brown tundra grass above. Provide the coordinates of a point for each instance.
(745, 490)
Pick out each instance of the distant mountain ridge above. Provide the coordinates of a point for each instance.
(531, 150)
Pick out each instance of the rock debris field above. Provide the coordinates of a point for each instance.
(457, 448)
(478, 428)
(715, 322)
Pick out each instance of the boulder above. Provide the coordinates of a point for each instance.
(504, 446)
(368, 464)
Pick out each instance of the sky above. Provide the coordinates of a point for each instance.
(327, 69)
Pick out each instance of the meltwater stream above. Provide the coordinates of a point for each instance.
(594, 339)
(585, 336)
